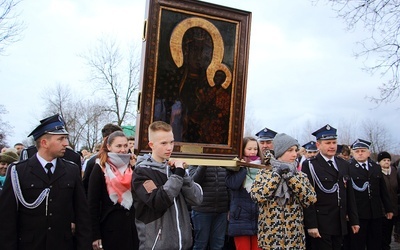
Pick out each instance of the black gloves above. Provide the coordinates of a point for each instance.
(179, 171)
(283, 169)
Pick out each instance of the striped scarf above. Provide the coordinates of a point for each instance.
(118, 174)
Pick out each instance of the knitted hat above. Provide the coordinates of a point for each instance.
(8, 157)
(282, 142)
(383, 155)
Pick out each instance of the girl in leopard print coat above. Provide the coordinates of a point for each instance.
(281, 194)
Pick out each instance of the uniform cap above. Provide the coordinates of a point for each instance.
(327, 132)
(266, 134)
(51, 125)
(360, 143)
(310, 146)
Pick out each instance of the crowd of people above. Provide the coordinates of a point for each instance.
(318, 196)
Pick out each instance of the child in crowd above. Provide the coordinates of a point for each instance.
(243, 212)
(281, 193)
(162, 190)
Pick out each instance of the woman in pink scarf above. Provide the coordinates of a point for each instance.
(110, 197)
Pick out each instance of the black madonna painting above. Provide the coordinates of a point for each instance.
(194, 74)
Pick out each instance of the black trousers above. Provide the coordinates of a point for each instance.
(369, 235)
(387, 231)
(327, 242)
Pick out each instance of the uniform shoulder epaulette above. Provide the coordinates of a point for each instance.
(19, 162)
(15, 163)
(68, 161)
(313, 158)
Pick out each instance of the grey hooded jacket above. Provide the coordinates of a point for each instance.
(161, 198)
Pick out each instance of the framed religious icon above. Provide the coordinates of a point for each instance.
(194, 73)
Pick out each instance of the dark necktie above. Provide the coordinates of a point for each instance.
(365, 167)
(331, 164)
(48, 167)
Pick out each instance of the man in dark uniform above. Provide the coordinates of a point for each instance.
(371, 197)
(43, 195)
(325, 221)
(311, 151)
(69, 155)
(264, 139)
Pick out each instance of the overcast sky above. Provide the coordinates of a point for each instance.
(302, 69)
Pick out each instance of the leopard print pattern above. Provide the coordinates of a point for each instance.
(281, 226)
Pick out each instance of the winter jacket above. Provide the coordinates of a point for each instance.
(243, 212)
(112, 223)
(392, 185)
(281, 226)
(161, 197)
(215, 193)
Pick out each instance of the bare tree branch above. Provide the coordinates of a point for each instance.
(5, 128)
(83, 118)
(10, 25)
(381, 48)
(378, 135)
(108, 72)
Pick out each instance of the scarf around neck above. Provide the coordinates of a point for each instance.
(118, 174)
(282, 193)
(386, 171)
(2, 179)
(251, 172)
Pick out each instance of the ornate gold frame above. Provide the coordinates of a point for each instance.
(194, 76)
